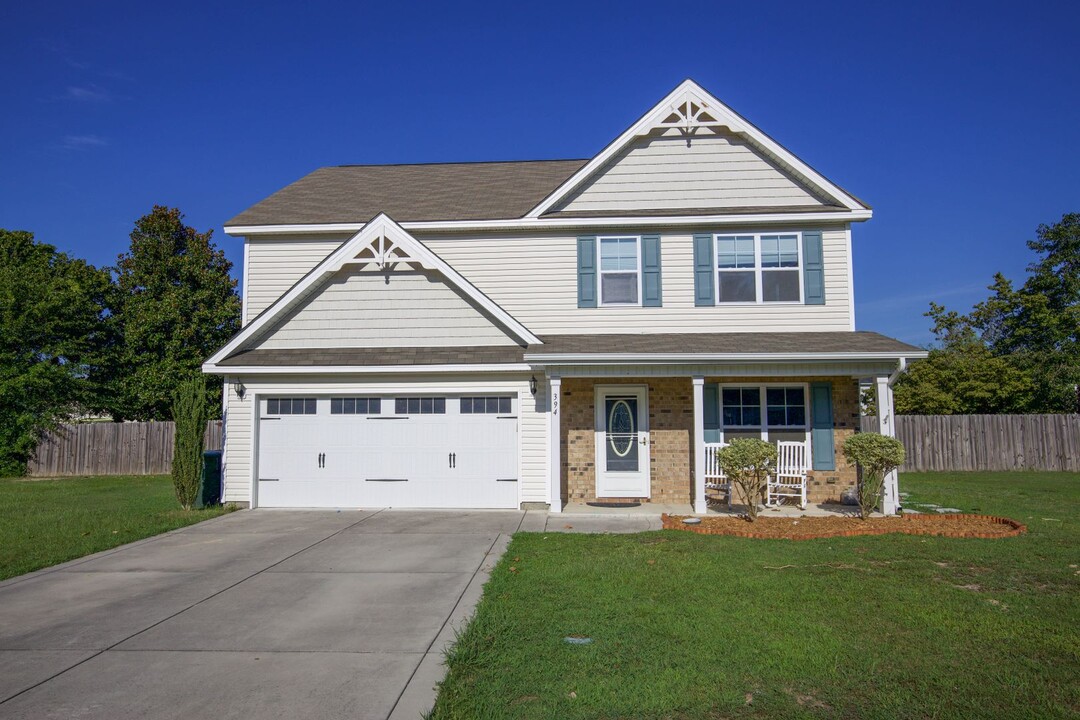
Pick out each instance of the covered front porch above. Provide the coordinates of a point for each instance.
(632, 436)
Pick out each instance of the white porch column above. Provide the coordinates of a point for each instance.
(699, 444)
(887, 426)
(554, 444)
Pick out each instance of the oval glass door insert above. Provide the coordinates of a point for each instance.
(621, 433)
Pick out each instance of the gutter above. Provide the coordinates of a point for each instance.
(556, 223)
(705, 358)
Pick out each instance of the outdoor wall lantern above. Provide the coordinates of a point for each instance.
(240, 389)
(532, 384)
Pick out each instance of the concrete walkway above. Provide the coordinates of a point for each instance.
(257, 614)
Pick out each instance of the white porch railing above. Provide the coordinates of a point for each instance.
(716, 482)
(788, 479)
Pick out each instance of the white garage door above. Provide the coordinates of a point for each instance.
(437, 451)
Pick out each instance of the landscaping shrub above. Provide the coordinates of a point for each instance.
(190, 412)
(877, 455)
(747, 463)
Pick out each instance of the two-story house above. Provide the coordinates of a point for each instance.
(531, 334)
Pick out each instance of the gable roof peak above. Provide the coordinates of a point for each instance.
(689, 108)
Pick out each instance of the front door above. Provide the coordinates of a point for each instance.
(622, 441)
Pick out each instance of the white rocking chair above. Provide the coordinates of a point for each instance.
(789, 478)
(716, 483)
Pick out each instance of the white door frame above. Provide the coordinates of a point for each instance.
(644, 487)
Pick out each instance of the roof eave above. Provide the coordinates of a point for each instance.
(839, 216)
(539, 358)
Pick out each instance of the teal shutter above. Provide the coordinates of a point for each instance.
(651, 293)
(586, 272)
(813, 268)
(821, 433)
(712, 413)
(703, 270)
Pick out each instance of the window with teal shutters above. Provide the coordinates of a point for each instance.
(586, 264)
(703, 270)
(821, 432)
(813, 268)
(651, 291)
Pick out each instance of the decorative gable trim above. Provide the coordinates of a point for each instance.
(690, 108)
(384, 244)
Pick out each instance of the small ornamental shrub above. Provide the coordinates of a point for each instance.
(877, 455)
(190, 413)
(747, 463)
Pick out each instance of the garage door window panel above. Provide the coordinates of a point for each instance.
(291, 406)
(355, 406)
(486, 406)
(420, 406)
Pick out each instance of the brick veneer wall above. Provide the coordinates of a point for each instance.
(671, 422)
(671, 425)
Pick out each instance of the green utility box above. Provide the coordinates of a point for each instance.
(210, 481)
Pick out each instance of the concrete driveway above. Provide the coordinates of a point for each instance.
(257, 614)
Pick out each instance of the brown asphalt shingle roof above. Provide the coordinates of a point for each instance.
(809, 343)
(410, 193)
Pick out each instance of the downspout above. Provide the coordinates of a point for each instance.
(901, 366)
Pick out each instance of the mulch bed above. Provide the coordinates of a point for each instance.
(810, 528)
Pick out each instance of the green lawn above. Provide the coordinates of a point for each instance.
(45, 522)
(688, 626)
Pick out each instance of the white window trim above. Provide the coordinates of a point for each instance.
(600, 273)
(758, 269)
(763, 405)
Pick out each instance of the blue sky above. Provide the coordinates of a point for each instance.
(956, 121)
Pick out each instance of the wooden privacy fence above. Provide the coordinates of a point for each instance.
(987, 442)
(101, 448)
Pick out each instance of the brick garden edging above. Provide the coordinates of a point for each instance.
(674, 522)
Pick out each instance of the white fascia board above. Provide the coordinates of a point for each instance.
(541, 359)
(725, 116)
(237, 370)
(381, 226)
(842, 216)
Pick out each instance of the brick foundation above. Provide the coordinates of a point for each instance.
(671, 424)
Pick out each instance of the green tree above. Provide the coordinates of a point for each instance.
(1018, 350)
(1038, 325)
(51, 338)
(962, 375)
(175, 304)
(190, 412)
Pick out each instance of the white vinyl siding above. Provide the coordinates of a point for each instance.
(402, 308)
(275, 264)
(236, 456)
(532, 419)
(534, 278)
(711, 171)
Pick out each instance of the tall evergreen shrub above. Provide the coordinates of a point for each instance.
(190, 412)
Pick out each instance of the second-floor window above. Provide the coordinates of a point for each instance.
(620, 271)
(758, 268)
